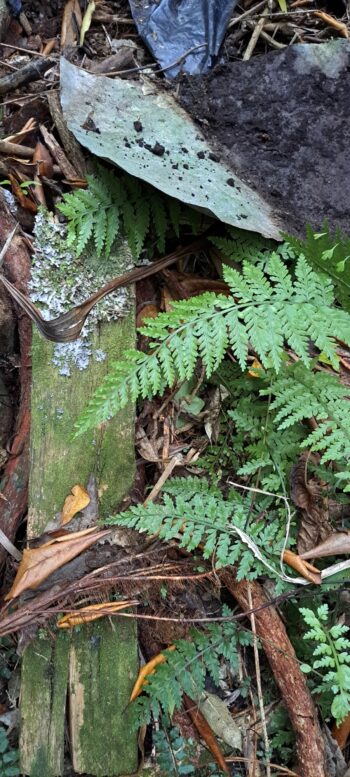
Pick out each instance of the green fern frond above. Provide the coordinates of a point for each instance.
(242, 245)
(112, 203)
(331, 654)
(328, 254)
(187, 667)
(195, 515)
(268, 309)
(301, 394)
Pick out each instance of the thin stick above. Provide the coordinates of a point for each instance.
(154, 65)
(255, 37)
(7, 245)
(19, 48)
(244, 15)
(275, 44)
(163, 478)
(258, 683)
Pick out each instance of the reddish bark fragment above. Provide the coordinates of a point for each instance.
(287, 674)
(13, 503)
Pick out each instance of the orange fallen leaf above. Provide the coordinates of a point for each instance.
(39, 563)
(205, 731)
(341, 733)
(303, 567)
(92, 613)
(43, 160)
(76, 501)
(147, 670)
(332, 22)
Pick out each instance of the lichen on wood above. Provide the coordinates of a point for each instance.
(102, 658)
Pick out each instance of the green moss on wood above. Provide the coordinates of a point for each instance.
(58, 461)
(45, 673)
(103, 669)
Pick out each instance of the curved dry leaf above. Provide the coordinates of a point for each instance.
(39, 563)
(337, 544)
(87, 19)
(74, 503)
(341, 733)
(313, 501)
(146, 670)
(305, 569)
(92, 613)
(71, 23)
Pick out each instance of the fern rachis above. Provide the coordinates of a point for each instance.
(267, 309)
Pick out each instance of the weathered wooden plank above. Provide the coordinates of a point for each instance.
(43, 701)
(57, 460)
(98, 663)
(103, 663)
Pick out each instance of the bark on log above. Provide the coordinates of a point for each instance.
(287, 674)
(14, 485)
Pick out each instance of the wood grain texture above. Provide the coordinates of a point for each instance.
(94, 666)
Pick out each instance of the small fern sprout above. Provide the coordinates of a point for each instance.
(332, 655)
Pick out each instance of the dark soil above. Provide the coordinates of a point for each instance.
(283, 125)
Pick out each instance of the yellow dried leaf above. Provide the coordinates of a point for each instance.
(92, 613)
(255, 369)
(76, 501)
(86, 23)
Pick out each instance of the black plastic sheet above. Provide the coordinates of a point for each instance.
(170, 28)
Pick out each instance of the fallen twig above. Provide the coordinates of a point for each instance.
(31, 72)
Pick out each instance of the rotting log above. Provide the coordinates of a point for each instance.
(14, 483)
(288, 676)
(95, 665)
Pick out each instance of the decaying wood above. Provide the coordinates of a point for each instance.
(4, 18)
(102, 654)
(287, 674)
(13, 503)
(70, 145)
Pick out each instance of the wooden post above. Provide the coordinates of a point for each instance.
(96, 665)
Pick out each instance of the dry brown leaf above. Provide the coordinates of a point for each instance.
(92, 613)
(205, 732)
(336, 544)
(332, 22)
(74, 503)
(314, 505)
(43, 159)
(71, 23)
(341, 733)
(305, 569)
(39, 563)
(146, 447)
(24, 200)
